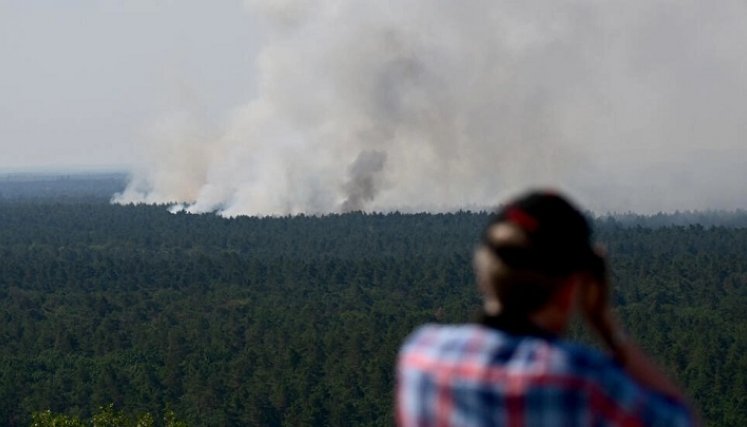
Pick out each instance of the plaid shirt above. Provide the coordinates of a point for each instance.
(474, 375)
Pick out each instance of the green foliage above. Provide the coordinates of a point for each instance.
(106, 416)
(146, 420)
(169, 420)
(48, 419)
(297, 320)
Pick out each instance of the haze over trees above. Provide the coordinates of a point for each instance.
(297, 320)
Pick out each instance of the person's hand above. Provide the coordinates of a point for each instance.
(595, 289)
(595, 299)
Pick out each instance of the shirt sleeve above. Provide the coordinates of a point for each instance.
(411, 385)
(649, 407)
(660, 410)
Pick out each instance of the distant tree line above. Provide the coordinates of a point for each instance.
(61, 187)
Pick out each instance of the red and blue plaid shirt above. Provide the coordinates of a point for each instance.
(475, 375)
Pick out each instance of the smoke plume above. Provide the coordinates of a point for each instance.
(363, 185)
(438, 105)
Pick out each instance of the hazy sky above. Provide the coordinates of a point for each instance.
(82, 81)
(287, 106)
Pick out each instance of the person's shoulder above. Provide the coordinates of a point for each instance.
(592, 366)
(583, 360)
(453, 339)
(472, 337)
(439, 334)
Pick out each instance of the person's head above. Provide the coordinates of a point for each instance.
(533, 252)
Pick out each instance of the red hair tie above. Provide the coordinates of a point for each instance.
(522, 219)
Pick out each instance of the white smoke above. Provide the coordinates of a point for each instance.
(434, 104)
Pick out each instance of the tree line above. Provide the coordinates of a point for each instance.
(297, 320)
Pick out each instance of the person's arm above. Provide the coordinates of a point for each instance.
(596, 307)
(640, 367)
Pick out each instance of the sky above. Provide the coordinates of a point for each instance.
(288, 106)
(83, 81)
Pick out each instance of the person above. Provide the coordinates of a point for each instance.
(535, 267)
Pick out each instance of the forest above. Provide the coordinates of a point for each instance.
(296, 321)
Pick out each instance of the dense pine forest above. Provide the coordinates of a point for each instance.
(296, 321)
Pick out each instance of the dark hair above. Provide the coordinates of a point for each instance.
(558, 243)
(558, 234)
(522, 292)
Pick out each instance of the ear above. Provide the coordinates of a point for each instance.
(484, 267)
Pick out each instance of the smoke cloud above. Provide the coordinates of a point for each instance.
(363, 185)
(437, 105)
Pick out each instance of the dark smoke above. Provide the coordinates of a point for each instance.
(364, 180)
